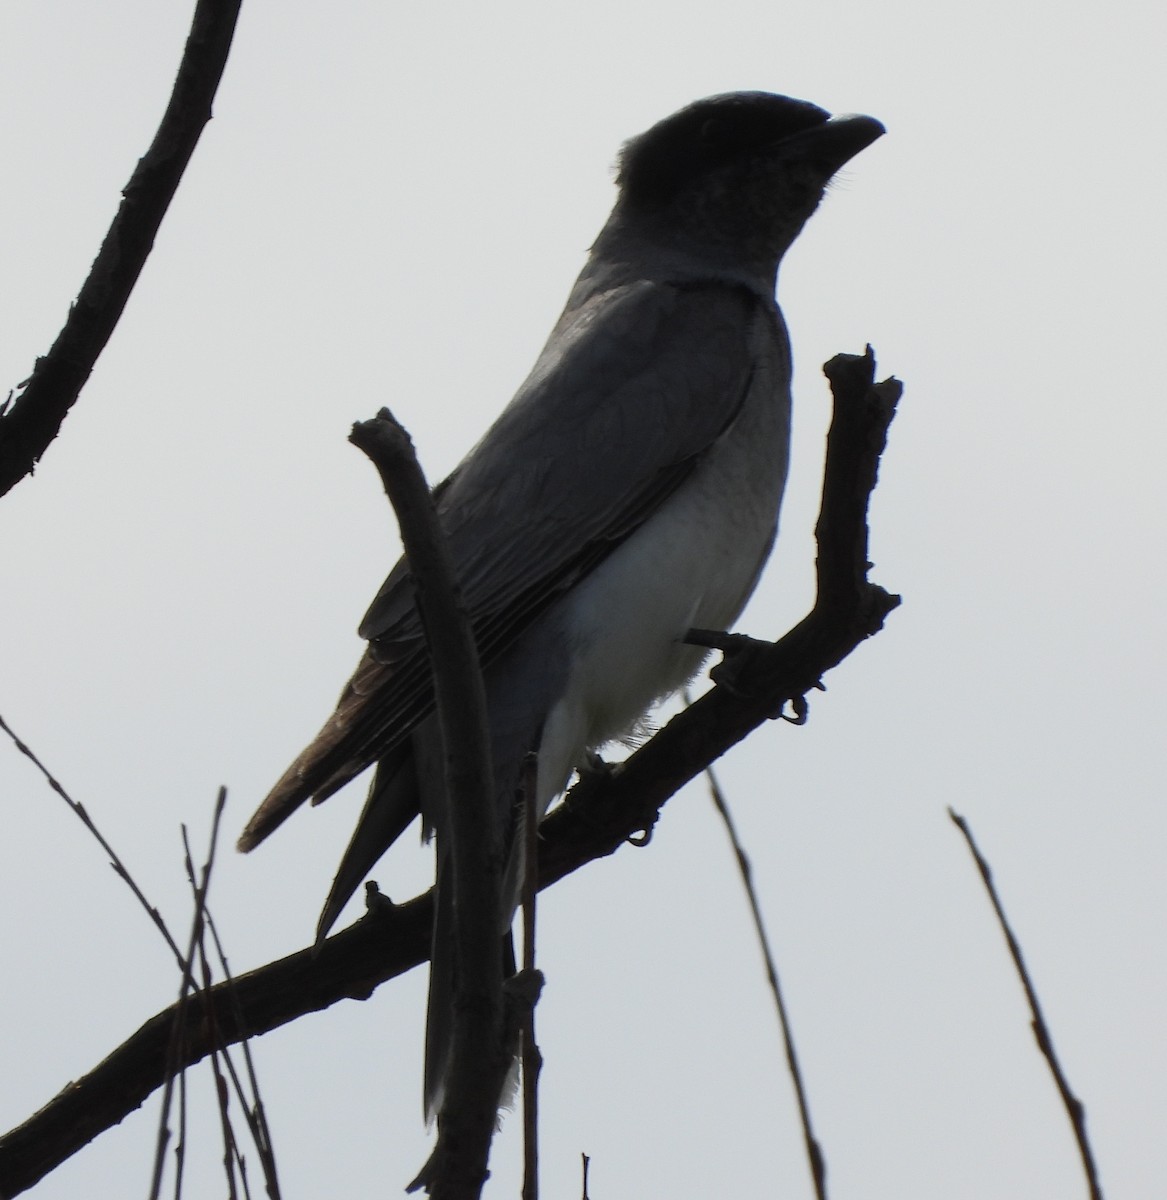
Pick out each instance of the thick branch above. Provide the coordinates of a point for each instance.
(470, 835)
(597, 817)
(34, 418)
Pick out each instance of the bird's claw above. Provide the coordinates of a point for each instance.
(735, 651)
(640, 839)
(801, 711)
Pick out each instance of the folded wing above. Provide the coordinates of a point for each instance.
(633, 387)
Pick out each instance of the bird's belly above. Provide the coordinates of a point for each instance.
(694, 563)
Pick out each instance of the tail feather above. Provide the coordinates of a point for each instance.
(439, 1007)
(330, 760)
(391, 805)
(439, 1022)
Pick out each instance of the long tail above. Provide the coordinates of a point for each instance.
(439, 1011)
(393, 802)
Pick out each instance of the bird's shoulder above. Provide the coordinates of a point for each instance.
(633, 377)
(637, 379)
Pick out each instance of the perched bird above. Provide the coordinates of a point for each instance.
(629, 492)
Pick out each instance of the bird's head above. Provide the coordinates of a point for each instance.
(733, 177)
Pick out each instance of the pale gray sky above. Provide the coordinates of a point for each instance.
(389, 208)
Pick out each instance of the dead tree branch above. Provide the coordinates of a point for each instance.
(1075, 1109)
(814, 1150)
(33, 419)
(478, 1060)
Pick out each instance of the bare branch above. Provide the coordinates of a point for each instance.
(250, 1097)
(33, 419)
(478, 1058)
(1075, 1109)
(120, 868)
(814, 1153)
(176, 1049)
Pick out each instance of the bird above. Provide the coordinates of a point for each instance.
(630, 491)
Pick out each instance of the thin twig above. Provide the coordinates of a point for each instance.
(1075, 1109)
(228, 1081)
(81, 812)
(164, 1135)
(33, 419)
(221, 1067)
(180, 1144)
(176, 1060)
(814, 1154)
(253, 1107)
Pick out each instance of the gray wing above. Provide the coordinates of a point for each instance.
(631, 389)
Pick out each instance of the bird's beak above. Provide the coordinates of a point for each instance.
(834, 142)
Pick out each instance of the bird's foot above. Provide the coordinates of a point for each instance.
(593, 765)
(740, 654)
(737, 650)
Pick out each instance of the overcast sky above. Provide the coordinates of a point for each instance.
(389, 208)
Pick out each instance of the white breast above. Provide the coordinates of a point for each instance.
(693, 563)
